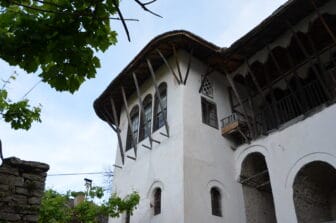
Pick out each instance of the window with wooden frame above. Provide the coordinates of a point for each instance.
(216, 200)
(135, 127)
(146, 119)
(160, 116)
(209, 113)
(157, 201)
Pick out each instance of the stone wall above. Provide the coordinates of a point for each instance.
(21, 189)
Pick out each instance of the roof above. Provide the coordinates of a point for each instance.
(222, 59)
(181, 39)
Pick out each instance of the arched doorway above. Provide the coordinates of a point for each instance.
(314, 193)
(257, 190)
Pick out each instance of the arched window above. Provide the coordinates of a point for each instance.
(159, 116)
(157, 201)
(216, 207)
(146, 119)
(135, 126)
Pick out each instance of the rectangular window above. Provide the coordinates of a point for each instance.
(209, 113)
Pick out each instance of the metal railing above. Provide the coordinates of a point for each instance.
(232, 118)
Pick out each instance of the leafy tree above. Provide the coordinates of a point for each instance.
(55, 207)
(59, 40)
(19, 114)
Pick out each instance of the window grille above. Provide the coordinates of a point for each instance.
(207, 88)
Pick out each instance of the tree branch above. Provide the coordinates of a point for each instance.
(50, 3)
(143, 6)
(122, 20)
(32, 88)
(37, 9)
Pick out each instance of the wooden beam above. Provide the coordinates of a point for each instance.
(256, 83)
(147, 147)
(177, 63)
(164, 134)
(312, 65)
(131, 157)
(298, 83)
(251, 104)
(277, 65)
(324, 23)
(129, 121)
(116, 121)
(320, 64)
(116, 130)
(274, 101)
(157, 92)
(188, 67)
(240, 102)
(117, 166)
(168, 65)
(142, 108)
(231, 99)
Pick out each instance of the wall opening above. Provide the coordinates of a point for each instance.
(257, 190)
(216, 202)
(314, 193)
(157, 201)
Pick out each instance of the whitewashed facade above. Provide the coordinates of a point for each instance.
(285, 173)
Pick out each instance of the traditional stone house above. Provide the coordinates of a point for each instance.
(239, 134)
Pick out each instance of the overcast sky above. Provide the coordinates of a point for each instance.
(71, 138)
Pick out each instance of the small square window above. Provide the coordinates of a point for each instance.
(209, 113)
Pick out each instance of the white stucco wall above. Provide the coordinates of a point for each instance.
(196, 157)
(208, 158)
(286, 151)
(162, 166)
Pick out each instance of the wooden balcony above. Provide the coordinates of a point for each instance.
(235, 127)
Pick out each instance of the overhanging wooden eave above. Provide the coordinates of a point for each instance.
(181, 39)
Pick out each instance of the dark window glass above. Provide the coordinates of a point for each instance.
(146, 119)
(209, 113)
(157, 201)
(216, 202)
(135, 126)
(159, 116)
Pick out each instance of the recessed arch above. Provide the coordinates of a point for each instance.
(257, 189)
(245, 152)
(217, 194)
(308, 158)
(155, 196)
(314, 193)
